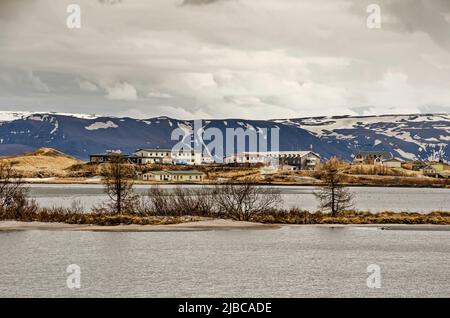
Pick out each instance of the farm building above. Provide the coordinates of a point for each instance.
(371, 157)
(174, 175)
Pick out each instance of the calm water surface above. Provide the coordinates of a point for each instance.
(373, 199)
(287, 262)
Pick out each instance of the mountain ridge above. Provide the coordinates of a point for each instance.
(405, 136)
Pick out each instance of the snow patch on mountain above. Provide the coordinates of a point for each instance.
(421, 135)
(101, 125)
(6, 116)
(55, 128)
(405, 154)
(187, 132)
(13, 115)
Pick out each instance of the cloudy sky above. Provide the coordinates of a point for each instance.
(252, 59)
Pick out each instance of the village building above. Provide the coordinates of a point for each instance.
(169, 156)
(190, 157)
(144, 156)
(303, 160)
(436, 170)
(418, 165)
(392, 163)
(371, 157)
(105, 157)
(152, 155)
(430, 171)
(99, 158)
(174, 175)
(297, 159)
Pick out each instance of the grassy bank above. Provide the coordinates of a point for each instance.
(352, 217)
(238, 201)
(74, 215)
(293, 216)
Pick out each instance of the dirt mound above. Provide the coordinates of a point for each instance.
(48, 152)
(41, 163)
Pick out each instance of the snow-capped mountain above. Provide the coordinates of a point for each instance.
(406, 137)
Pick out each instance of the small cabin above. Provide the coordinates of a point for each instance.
(105, 157)
(430, 171)
(371, 157)
(174, 175)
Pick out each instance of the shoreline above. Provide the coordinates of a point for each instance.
(204, 225)
(62, 181)
(201, 225)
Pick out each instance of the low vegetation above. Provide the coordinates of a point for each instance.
(295, 216)
(243, 201)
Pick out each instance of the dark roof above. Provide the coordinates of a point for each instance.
(185, 172)
(177, 172)
(384, 154)
(106, 154)
(154, 149)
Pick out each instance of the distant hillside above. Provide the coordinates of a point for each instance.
(44, 162)
(407, 137)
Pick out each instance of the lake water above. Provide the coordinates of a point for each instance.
(373, 199)
(294, 261)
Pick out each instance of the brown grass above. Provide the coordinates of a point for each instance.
(364, 169)
(42, 163)
(295, 216)
(75, 215)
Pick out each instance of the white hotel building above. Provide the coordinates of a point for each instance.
(168, 156)
(299, 159)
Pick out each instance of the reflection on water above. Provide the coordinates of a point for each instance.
(374, 199)
(288, 262)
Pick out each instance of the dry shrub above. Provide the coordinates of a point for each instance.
(243, 201)
(177, 202)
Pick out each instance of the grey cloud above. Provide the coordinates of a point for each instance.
(200, 2)
(363, 110)
(435, 109)
(427, 16)
(110, 2)
(252, 58)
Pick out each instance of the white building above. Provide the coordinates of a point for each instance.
(168, 156)
(171, 175)
(392, 163)
(186, 157)
(299, 159)
(153, 155)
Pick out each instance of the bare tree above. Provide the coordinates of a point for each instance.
(12, 190)
(333, 195)
(117, 178)
(242, 201)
